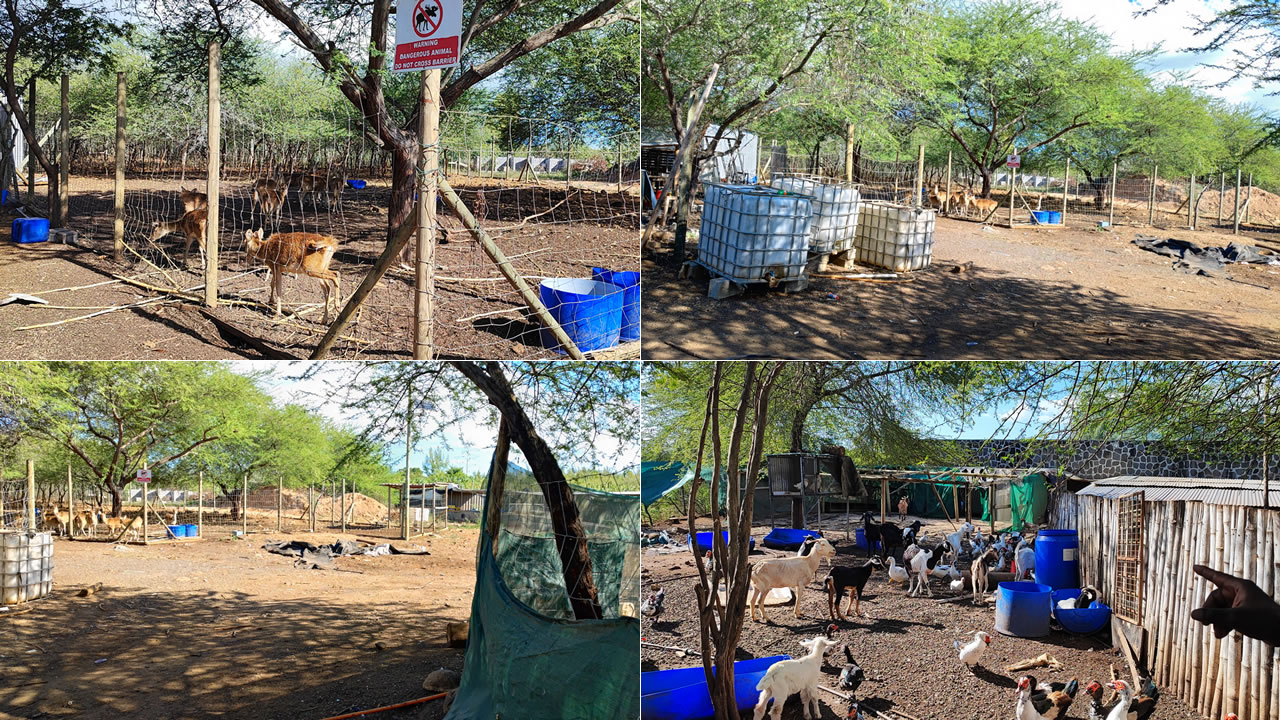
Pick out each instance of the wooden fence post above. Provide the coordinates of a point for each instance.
(1248, 196)
(1013, 183)
(1151, 201)
(344, 506)
(919, 185)
(1235, 213)
(31, 495)
(121, 119)
(244, 507)
(848, 154)
(311, 504)
(200, 507)
(31, 156)
(619, 169)
(211, 189)
(280, 504)
(1066, 182)
(1191, 204)
(946, 200)
(425, 250)
(64, 155)
(71, 503)
(1222, 193)
(1111, 218)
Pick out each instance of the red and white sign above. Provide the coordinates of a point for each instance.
(1014, 161)
(144, 476)
(427, 34)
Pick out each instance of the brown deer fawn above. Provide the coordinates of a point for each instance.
(984, 206)
(269, 195)
(296, 253)
(191, 225)
(192, 200)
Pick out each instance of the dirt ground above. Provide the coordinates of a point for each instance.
(544, 230)
(990, 293)
(904, 644)
(221, 628)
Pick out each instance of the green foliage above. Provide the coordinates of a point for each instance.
(56, 36)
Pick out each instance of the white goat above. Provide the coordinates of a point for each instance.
(954, 538)
(787, 572)
(1025, 556)
(921, 565)
(788, 677)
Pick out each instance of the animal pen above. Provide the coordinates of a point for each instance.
(524, 200)
(1045, 193)
(1140, 537)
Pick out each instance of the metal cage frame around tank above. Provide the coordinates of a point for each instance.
(834, 227)
(736, 242)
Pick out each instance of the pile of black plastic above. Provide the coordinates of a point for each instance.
(320, 557)
(1200, 260)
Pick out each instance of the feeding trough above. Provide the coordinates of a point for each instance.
(589, 311)
(681, 693)
(788, 538)
(1023, 609)
(356, 184)
(701, 543)
(1083, 621)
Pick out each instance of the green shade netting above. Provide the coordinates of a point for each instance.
(526, 656)
(660, 477)
(1029, 497)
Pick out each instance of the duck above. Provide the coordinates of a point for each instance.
(1052, 700)
(897, 573)
(852, 675)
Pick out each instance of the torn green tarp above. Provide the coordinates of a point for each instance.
(660, 477)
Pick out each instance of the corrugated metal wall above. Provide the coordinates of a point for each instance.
(1214, 676)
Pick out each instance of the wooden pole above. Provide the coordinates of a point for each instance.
(311, 505)
(215, 160)
(31, 495)
(946, 201)
(244, 507)
(919, 186)
(1191, 203)
(1066, 181)
(1235, 213)
(344, 506)
(64, 154)
(619, 185)
(1222, 193)
(388, 507)
(31, 156)
(118, 229)
(408, 449)
(424, 258)
(71, 503)
(280, 504)
(1248, 196)
(884, 498)
(848, 155)
(145, 507)
(1111, 218)
(200, 507)
(1151, 199)
(1013, 183)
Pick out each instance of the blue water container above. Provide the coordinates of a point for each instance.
(30, 230)
(630, 283)
(589, 311)
(192, 530)
(703, 542)
(681, 693)
(1023, 609)
(1041, 217)
(1058, 559)
(788, 538)
(4, 196)
(1084, 621)
(178, 531)
(1055, 217)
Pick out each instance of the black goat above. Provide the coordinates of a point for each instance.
(841, 578)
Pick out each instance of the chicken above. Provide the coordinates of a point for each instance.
(652, 606)
(852, 675)
(854, 714)
(970, 654)
(1096, 709)
(897, 573)
(957, 585)
(830, 632)
(1044, 704)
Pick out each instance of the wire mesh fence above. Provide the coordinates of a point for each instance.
(558, 201)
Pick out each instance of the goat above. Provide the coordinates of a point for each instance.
(1025, 556)
(192, 200)
(192, 226)
(840, 578)
(911, 535)
(979, 573)
(296, 253)
(871, 530)
(954, 538)
(921, 565)
(788, 677)
(902, 509)
(806, 547)
(787, 572)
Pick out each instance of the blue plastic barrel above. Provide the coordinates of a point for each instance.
(1055, 217)
(630, 283)
(4, 196)
(1084, 621)
(589, 311)
(1058, 559)
(1023, 609)
(681, 693)
(178, 530)
(702, 543)
(192, 530)
(30, 230)
(1040, 216)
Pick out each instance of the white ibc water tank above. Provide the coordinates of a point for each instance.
(26, 566)
(895, 237)
(750, 233)
(835, 211)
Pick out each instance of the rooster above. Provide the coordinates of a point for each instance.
(1036, 704)
(652, 605)
(971, 653)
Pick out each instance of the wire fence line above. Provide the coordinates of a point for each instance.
(559, 202)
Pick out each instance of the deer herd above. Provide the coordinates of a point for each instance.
(292, 253)
(86, 522)
(962, 201)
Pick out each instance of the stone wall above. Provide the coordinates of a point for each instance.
(1103, 459)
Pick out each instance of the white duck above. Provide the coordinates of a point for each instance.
(1121, 710)
(897, 573)
(971, 653)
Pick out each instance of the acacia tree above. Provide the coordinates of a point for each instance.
(1018, 77)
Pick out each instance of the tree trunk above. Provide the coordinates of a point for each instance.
(117, 503)
(797, 426)
(986, 182)
(233, 496)
(571, 541)
(404, 185)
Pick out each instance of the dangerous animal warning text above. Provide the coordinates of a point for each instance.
(427, 33)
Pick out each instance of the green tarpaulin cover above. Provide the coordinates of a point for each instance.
(660, 477)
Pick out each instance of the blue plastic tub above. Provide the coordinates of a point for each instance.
(356, 184)
(1023, 609)
(1084, 621)
(681, 694)
(860, 539)
(4, 196)
(1046, 217)
(788, 538)
(589, 311)
(630, 283)
(1055, 217)
(704, 539)
(192, 530)
(30, 230)
(1058, 559)
(178, 530)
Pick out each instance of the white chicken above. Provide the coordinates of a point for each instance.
(971, 653)
(897, 573)
(957, 585)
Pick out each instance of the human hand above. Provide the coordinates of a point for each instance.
(1238, 604)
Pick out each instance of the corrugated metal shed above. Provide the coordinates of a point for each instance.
(1215, 491)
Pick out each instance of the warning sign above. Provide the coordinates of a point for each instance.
(144, 475)
(1014, 161)
(427, 33)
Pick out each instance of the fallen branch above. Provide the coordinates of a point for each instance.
(1044, 660)
(95, 314)
(669, 647)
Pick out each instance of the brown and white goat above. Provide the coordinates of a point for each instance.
(296, 253)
